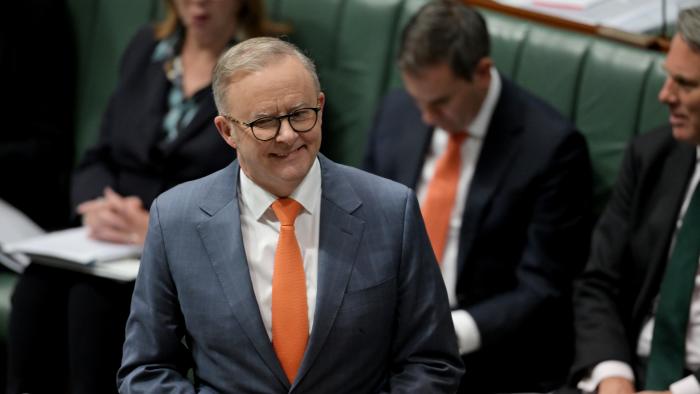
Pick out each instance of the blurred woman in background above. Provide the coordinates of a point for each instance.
(67, 329)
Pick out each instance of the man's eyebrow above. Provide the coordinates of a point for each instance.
(681, 79)
(265, 114)
(439, 100)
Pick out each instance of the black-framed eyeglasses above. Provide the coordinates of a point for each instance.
(268, 127)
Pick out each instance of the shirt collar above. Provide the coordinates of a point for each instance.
(258, 200)
(169, 47)
(480, 124)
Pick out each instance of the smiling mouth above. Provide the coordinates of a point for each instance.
(287, 154)
(676, 118)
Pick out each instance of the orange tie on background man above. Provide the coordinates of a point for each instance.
(290, 322)
(441, 194)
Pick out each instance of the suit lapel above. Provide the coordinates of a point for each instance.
(340, 234)
(152, 103)
(205, 114)
(666, 197)
(223, 241)
(497, 152)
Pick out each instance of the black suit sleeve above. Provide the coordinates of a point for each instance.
(554, 250)
(600, 330)
(97, 170)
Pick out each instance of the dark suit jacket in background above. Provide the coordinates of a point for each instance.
(382, 321)
(524, 233)
(630, 250)
(130, 156)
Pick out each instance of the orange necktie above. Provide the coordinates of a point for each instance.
(290, 322)
(441, 194)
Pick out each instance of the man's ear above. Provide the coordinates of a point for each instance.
(483, 67)
(321, 99)
(225, 130)
(482, 71)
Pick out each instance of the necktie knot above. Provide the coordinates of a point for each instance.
(286, 210)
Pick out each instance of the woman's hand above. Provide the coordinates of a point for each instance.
(115, 218)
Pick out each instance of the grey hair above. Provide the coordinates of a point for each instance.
(253, 55)
(689, 27)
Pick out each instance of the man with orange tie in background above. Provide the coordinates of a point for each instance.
(286, 272)
(505, 189)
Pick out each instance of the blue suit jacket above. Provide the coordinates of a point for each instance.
(382, 322)
(523, 237)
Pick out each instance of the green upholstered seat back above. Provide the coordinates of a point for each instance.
(7, 287)
(353, 43)
(103, 28)
(549, 66)
(651, 114)
(612, 82)
(607, 89)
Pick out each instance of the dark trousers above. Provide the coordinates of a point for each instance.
(66, 332)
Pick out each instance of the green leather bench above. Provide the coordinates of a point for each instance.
(608, 89)
(102, 29)
(353, 43)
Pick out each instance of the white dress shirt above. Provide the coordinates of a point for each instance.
(467, 332)
(260, 230)
(687, 385)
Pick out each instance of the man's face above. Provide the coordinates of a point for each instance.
(278, 165)
(446, 100)
(681, 91)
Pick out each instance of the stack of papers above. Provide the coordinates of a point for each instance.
(72, 245)
(22, 242)
(566, 4)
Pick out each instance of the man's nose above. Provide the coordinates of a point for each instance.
(287, 133)
(667, 94)
(428, 116)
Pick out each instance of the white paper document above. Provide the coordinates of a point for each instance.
(15, 226)
(72, 245)
(566, 4)
(23, 242)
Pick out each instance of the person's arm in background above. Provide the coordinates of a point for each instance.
(600, 333)
(108, 215)
(556, 245)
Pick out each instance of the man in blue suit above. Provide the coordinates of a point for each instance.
(515, 229)
(216, 293)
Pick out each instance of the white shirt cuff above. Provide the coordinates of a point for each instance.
(687, 385)
(468, 336)
(605, 369)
